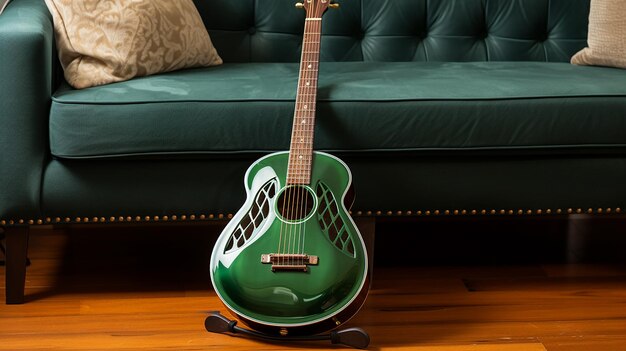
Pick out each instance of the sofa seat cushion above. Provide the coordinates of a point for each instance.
(363, 106)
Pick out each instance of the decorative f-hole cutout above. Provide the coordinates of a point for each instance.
(253, 220)
(330, 221)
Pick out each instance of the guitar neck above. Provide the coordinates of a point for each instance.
(301, 148)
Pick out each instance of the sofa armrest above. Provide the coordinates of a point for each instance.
(26, 75)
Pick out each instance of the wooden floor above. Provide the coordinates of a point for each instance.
(147, 289)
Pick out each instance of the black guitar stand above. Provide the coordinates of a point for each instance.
(352, 337)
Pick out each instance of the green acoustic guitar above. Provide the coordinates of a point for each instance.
(292, 261)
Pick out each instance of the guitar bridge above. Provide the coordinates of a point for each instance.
(289, 262)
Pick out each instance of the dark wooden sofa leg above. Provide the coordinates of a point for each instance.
(16, 253)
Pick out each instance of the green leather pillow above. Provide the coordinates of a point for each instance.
(105, 41)
(607, 35)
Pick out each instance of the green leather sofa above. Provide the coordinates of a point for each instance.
(439, 107)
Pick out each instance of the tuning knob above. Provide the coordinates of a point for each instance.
(299, 5)
(333, 5)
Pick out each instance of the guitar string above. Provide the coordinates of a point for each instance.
(313, 46)
(301, 134)
(309, 73)
(311, 59)
(294, 171)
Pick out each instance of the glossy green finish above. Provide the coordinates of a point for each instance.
(292, 298)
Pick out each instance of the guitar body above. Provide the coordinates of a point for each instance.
(292, 261)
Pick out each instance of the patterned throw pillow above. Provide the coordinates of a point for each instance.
(607, 35)
(105, 41)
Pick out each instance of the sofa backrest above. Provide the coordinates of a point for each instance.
(401, 30)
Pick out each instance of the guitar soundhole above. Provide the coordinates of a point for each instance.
(295, 203)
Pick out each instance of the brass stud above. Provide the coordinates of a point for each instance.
(600, 210)
(502, 212)
(192, 217)
(48, 219)
(166, 218)
(579, 210)
(31, 222)
(559, 211)
(539, 211)
(369, 213)
(378, 213)
(3, 222)
(409, 213)
(419, 213)
(463, 212)
(455, 212)
(608, 210)
(220, 216)
(147, 218)
(39, 221)
(473, 212)
(211, 216)
(96, 219)
(618, 210)
(67, 219)
(529, 212)
(174, 217)
(427, 212)
(283, 332)
(492, 212)
(11, 222)
(399, 213)
(156, 218)
(202, 217)
(78, 220)
(569, 210)
(483, 212)
(137, 219)
(590, 210)
(183, 217)
(548, 211)
(446, 212)
(436, 212)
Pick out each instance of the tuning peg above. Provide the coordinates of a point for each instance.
(299, 5)
(334, 5)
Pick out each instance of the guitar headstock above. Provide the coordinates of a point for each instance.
(316, 8)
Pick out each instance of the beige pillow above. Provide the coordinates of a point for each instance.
(105, 41)
(607, 35)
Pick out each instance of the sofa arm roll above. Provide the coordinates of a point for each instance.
(26, 68)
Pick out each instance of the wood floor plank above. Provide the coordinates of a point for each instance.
(79, 299)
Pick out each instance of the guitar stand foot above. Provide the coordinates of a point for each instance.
(352, 337)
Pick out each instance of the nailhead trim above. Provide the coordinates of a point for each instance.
(490, 212)
(408, 213)
(120, 219)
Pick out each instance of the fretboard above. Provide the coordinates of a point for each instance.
(301, 148)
